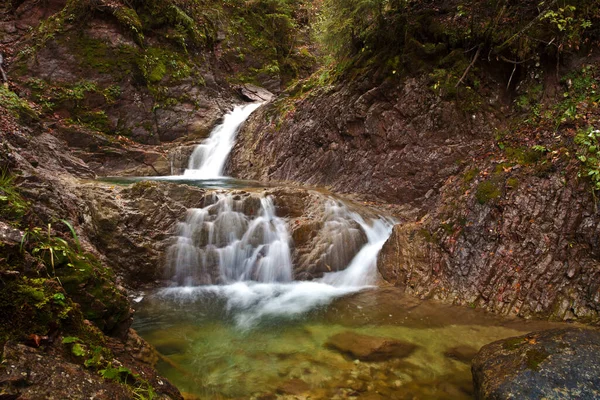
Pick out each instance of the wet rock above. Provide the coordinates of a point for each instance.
(530, 252)
(369, 348)
(553, 364)
(179, 158)
(131, 230)
(254, 93)
(325, 238)
(461, 353)
(108, 156)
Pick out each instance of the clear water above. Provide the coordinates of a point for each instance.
(208, 354)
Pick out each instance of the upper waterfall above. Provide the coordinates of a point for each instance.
(208, 159)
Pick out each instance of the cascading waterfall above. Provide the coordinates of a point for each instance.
(240, 238)
(238, 249)
(208, 159)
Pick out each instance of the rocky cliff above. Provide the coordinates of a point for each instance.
(395, 141)
(499, 159)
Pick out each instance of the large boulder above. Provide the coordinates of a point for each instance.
(552, 364)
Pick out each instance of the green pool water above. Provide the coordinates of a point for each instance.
(207, 354)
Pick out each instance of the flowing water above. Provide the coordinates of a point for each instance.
(208, 159)
(235, 324)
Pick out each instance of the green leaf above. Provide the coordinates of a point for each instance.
(70, 339)
(78, 350)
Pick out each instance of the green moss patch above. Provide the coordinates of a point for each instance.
(488, 190)
(534, 357)
(17, 106)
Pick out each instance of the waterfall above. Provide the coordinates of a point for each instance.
(232, 239)
(362, 269)
(208, 159)
(236, 248)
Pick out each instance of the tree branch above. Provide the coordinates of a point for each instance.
(470, 66)
(4, 77)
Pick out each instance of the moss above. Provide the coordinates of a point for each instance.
(470, 175)
(17, 106)
(534, 357)
(96, 55)
(129, 18)
(488, 190)
(96, 120)
(523, 155)
(33, 306)
(158, 65)
(512, 183)
(513, 343)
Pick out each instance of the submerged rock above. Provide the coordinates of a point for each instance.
(369, 348)
(552, 364)
(461, 353)
(294, 387)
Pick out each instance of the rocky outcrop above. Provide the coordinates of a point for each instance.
(394, 141)
(325, 238)
(508, 242)
(133, 110)
(554, 364)
(133, 226)
(54, 285)
(50, 372)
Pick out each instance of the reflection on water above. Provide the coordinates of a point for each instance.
(206, 353)
(217, 183)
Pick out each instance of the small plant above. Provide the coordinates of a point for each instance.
(587, 153)
(119, 374)
(12, 205)
(52, 250)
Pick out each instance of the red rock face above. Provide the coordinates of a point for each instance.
(396, 143)
(530, 252)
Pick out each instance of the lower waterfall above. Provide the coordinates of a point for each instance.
(238, 249)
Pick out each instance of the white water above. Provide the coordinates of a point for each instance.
(251, 252)
(241, 236)
(208, 159)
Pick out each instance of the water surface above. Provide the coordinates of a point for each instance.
(207, 353)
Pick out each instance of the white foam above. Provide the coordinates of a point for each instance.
(208, 159)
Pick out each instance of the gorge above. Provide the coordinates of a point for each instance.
(280, 199)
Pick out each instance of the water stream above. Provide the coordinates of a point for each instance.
(235, 324)
(208, 159)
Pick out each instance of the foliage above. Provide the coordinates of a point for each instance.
(410, 30)
(17, 106)
(12, 206)
(588, 153)
(129, 18)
